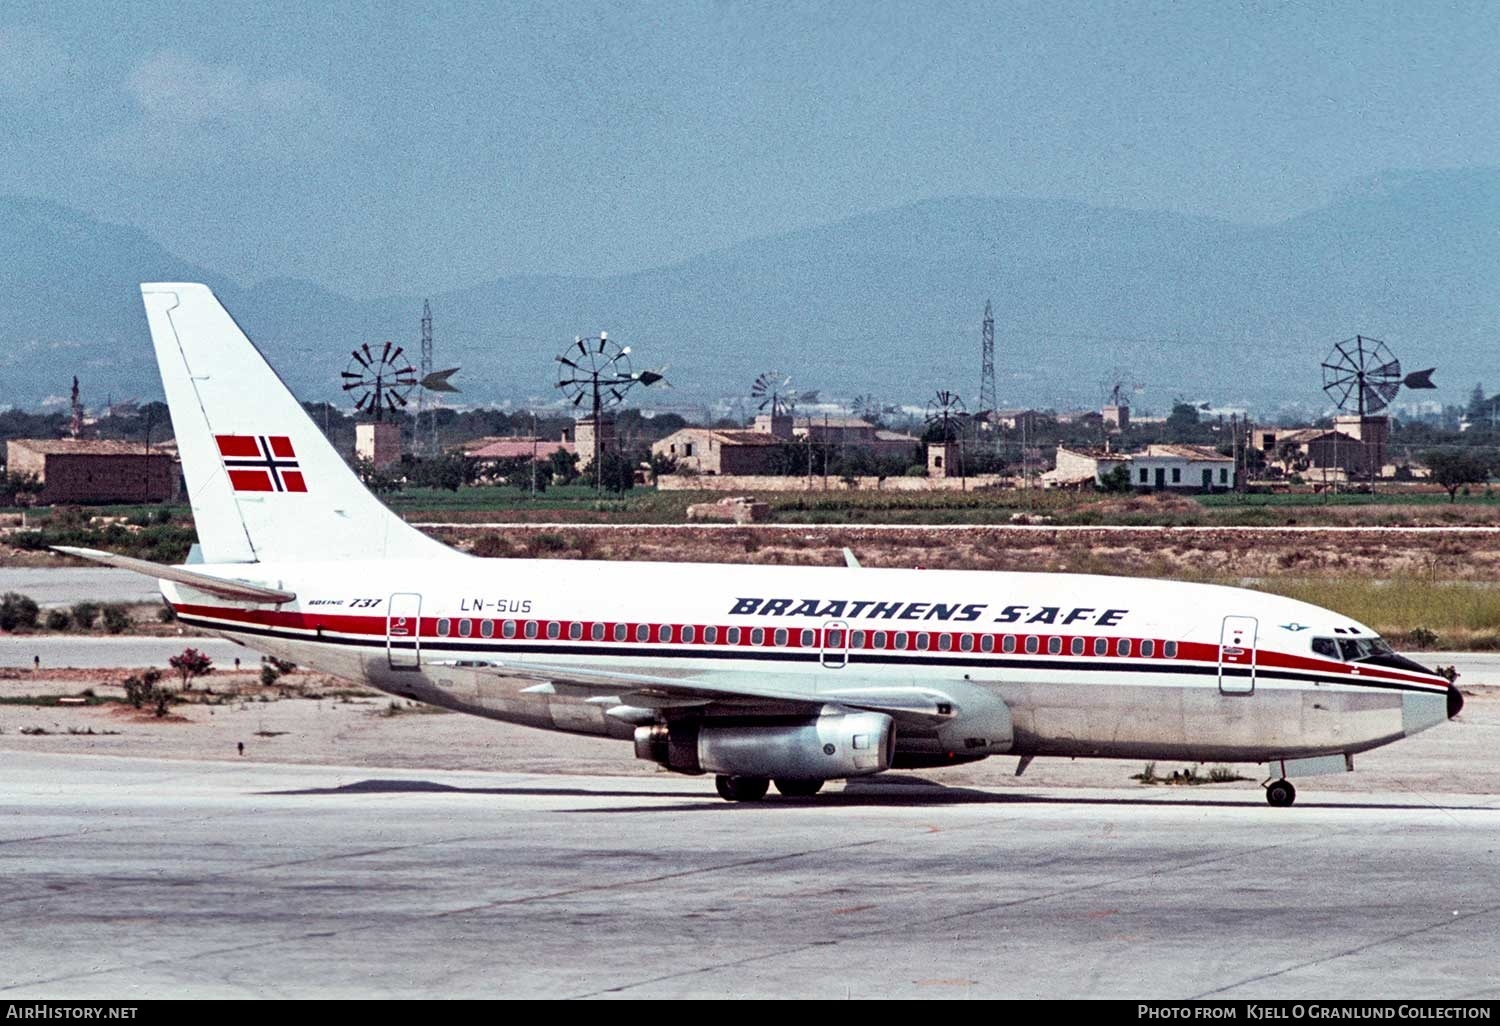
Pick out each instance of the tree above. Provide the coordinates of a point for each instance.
(1478, 408)
(116, 619)
(564, 466)
(450, 472)
(17, 611)
(191, 663)
(1117, 480)
(142, 689)
(1182, 423)
(616, 472)
(1453, 469)
(84, 615)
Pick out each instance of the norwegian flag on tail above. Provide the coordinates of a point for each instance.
(261, 463)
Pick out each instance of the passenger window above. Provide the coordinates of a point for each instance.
(508, 629)
(987, 643)
(880, 639)
(620, 631)
(966, 642)
(531, 628)
(945, 642)
(1101, 646)
(807, 639)
(710, 635)
(1078, 646)
(575, 631)
(642, 632)
(1009, 644)
(554, 629)
(857, 639)
(597, 632)
(487, 629)
(465, 627)
(781, 636)
(732, 636)
(1169, 650)
(1032, 644)
(1122, 648)
(921, 642)
(1054, 646)
(1148, 648)
(898, 640)
(443, 626)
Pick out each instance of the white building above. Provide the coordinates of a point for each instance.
(1169, 467)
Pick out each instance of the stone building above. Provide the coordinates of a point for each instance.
(93, 470)
(715, 451)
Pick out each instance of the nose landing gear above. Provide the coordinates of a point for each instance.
(1281, 793)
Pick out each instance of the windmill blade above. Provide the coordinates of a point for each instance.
(362, 361)
(1420, 379)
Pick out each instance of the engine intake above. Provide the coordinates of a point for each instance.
(827, 747)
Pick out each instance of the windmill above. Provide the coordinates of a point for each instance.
(379, 382)
(1362, 373)
(773, 389)
(945, 410)
(597, 370)
(1362, 377)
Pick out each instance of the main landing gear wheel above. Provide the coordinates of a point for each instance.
(799, 788)
(741, 789)
(1281, 794)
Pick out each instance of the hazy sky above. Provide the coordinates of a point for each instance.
(384, 148)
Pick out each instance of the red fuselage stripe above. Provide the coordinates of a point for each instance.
(374, 628)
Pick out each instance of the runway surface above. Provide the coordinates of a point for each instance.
(142, 878)
(96, 652)
(63, 586)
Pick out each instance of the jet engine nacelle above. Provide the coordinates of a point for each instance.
(827, 747)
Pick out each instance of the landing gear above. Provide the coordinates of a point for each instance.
(799, 788)
(741, 789)
(1281, 793)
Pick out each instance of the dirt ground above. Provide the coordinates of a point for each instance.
(344, 726)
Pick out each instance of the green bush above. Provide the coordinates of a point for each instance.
(58, 620)
(116, 619)
(85, 614)
(17, 612)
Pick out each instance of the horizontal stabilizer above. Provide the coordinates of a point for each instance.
(242, 591)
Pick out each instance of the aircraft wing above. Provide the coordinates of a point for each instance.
(930, 706)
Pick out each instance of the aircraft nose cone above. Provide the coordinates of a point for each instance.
(1455, 701)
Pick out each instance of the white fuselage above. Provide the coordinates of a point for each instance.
(1085, 665)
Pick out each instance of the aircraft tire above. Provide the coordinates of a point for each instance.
(799, 788)
(741, 789)
(1281, 794)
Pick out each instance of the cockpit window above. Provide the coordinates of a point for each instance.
(1351, 650)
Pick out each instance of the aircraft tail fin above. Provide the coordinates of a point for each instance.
(264, 483)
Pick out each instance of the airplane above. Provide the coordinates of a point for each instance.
(754, 674)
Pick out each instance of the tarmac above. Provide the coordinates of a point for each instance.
(140, 878)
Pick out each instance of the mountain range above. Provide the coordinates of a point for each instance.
(887, 303)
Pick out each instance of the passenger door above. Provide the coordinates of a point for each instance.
(1237, 655)
(835, 652)
(403, 631)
